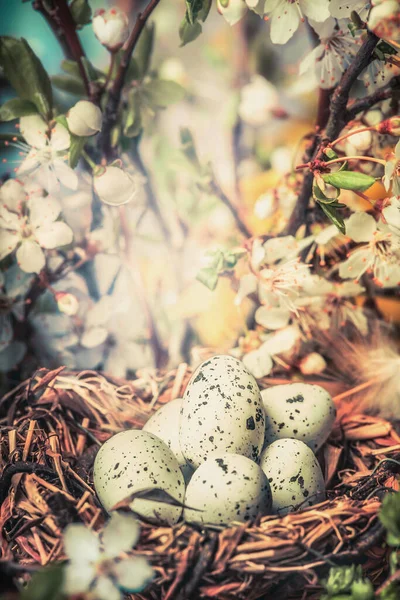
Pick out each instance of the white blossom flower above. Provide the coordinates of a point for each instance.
(286, 15)
(327, 304)
(232, 10)
(28, 234)
(380, 254)
(391, 179)
(84, 119)
(46, 154)
(257, 101)
(384, 19)
(95, 562)
(115, 186)
(111, 27)
(342, 9)
(334, 54)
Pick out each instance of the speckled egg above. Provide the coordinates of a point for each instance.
(137, 460)
(227, 488)
(221, 412)
(164, 423)
(300, 411)
(294, 475)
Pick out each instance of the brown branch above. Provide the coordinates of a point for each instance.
(63, 26)
(241, 225)
(338, 117)
(366, 103)
(114, 97)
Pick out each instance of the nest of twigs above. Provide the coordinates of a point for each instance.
(51, 428)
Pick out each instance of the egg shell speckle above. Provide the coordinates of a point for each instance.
(221, 412)
(137, 460)
(294, 475)
(164, 423)
(227, 488)
(300, 411)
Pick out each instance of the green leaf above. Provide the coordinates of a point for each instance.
(26, 74)
(133, 73)
(321, 197)
(72, 85)
(15, 108)
(390, 518)
(349, 180)
(208, 277)
(187, 32)
(46, 584)
(190, 28)
(160, 93)
(329, 153)
(81, 12)
(144, 50)
(72, 68)
(334, 217)
(188, 146)
(133, 118)
(75, 149)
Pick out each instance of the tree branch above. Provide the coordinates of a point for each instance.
(366, 103)
(63, 26)
(114, 97)
(338, 117)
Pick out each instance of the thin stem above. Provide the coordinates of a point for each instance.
(89, 161)
(241, 225)
(380, 95)
(346, 158)
(338, 117)
(111, 110)
(350, 134)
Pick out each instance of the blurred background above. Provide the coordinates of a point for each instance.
(153, 310)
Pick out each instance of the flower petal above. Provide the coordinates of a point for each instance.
(272, 318)
(81, 545)
(78, 577)
(258, 362)
(34, 130)
(43, 210)
(54, 235)
(284, 22)
(8, 242)
(60, 138)
(30, 257)
(120, 534)
(280, 247)
(65, 174)
(247, 285)
(104, 589)
(133, 574)
(360, 227)
(356, 265)
(318, 11)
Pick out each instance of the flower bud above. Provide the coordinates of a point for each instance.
(232, 10)
(84, 119)
(67, 303)
(111, 28)
(384, 19)
(312, 364)
(115, 186)
(390, 126)
(359, 141)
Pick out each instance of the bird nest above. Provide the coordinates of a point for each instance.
(51, 428)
